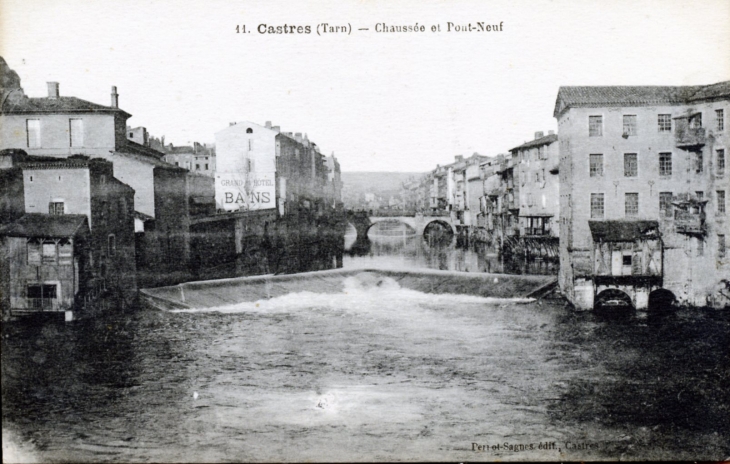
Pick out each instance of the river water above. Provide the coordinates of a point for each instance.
(373, 373)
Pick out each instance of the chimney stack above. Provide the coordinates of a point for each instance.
(551, 132)
(298, 136)
(115, 97)
(53, 89)
(276, 128)
(268, 124)
(459, 158)
(539, 134)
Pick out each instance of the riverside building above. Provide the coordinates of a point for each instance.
(643, 194)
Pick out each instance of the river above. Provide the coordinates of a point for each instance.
(377, 373)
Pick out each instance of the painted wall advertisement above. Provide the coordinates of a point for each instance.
(235, 191)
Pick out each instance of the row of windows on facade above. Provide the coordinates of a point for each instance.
(75, 132)
(540, 151)
(631, 164)
(44, 251)
(664, 123)
(58, 208)
(539, 176)
(666, 210)
(188, 165)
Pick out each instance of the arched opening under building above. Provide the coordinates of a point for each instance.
(613, 302)
(661, 300)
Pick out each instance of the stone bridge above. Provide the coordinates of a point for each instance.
(363, 221)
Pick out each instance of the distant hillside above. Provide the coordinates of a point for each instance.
(382, 184)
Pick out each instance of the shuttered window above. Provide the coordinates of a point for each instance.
(76, 132)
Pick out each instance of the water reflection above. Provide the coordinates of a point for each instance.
(443, 252)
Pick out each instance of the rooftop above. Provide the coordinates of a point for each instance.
(623, 230)
(596, 96)
(46, 225)
(548, 139)
(28, 105)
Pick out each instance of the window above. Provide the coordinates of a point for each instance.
(721, 202)
(112, 245)
(665, 122)
(721, 245)
(131, 135)
(36, 293)
(249, 131)
(65, 252)
(596, 165)
(197, 167)
(537, 176)
(665, 204)
(56, 208)
(595, 126)
(596, 206)
(76, 132)
(34, 252)
(629, 124)
(631, 168)
(626, 260)
(700, 195)
(720, 120)
(543, 175)
(665, 164)
(720, 162)
(697, 162)
(206, 167)
(33, 128)
(695, 122)
(631, 204)
(48, 253)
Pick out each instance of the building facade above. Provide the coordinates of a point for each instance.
(539, 193)
(82, 186)
(649, 163)
(45, 262)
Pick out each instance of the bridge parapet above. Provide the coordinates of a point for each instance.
(362, 221)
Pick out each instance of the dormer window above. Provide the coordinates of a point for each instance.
(56, 208)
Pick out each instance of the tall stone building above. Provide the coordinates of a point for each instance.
(643, 194)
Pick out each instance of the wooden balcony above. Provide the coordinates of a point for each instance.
(689, 224)
(690, 138)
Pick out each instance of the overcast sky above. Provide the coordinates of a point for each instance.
(380, 101)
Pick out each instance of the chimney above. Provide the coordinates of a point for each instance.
(53, 89)
(539, 134)
(268, 124)
(115, 97)
(276, 128)
(459, 158)
(298, 136)
(231, 123)
(551, 132)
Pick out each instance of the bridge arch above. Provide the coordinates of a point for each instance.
(410, 227)
(442, 222)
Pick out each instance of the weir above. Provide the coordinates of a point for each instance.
(212, 293)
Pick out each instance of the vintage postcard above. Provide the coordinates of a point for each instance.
(364, 230)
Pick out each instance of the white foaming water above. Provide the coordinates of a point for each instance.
(363, 291)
